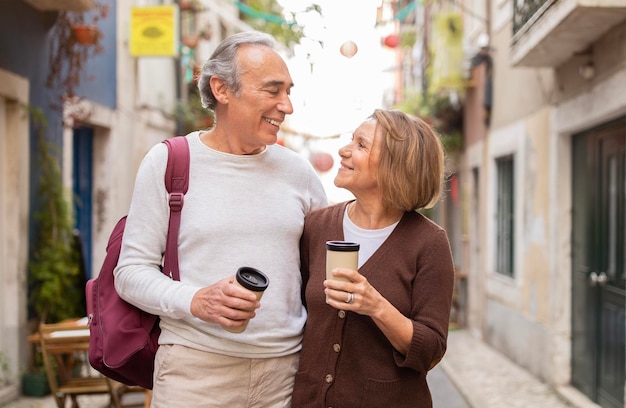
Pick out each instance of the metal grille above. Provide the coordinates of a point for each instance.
(527, 12)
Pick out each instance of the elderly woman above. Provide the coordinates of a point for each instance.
(370, 341)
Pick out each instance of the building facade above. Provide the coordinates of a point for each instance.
(543, 182)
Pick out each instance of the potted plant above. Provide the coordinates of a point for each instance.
(75, 39)
(440, 111)
(188, 5)
(85, 34)
(190, 115)
(35, 382)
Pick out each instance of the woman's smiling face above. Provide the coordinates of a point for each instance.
(359, 160)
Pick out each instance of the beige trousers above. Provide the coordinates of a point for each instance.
(189, 378)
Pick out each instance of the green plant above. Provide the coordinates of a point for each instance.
(408, 38)
(68, 54)
(269, 16)
(55, 287)
(5, 371)
(441, 112)
(190, 115)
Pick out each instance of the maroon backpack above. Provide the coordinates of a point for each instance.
(123, 339)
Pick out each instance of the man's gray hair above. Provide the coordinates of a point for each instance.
(223, 63)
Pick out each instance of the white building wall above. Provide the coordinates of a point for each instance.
(14, 190)
(535, 114)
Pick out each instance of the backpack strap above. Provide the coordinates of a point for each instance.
(176, 183)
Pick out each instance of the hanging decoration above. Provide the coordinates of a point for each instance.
(322, 161)
(401, 14)
(392, 40)
(348, 49)
(186, 5)
(191, 40)
(447, 46)
(271, 18)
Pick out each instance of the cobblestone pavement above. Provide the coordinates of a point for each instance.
(445, 394)
(84, 401)
(488, 379)
(48, 402)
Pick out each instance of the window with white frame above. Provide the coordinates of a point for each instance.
(505, 222)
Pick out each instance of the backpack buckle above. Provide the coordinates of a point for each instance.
(176, 201)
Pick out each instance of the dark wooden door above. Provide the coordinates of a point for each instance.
(83, 191)
(598, 273)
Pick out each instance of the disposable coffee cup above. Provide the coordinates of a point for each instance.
(341, 254)
(252, 279)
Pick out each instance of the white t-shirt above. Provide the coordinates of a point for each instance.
(369, 240)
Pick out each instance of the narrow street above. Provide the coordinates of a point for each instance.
(444, 392)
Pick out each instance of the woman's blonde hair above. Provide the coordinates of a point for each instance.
(411, 167)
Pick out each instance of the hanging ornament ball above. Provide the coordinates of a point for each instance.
(322, 161)
(348, 49)
(392, 40)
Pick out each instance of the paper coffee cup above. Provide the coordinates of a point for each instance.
(341, 254)
(252, 279)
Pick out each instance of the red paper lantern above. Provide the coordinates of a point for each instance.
(322, 161)
(348, 49)
(392, 40)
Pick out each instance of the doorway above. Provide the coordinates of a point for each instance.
(83, 189)
(598, 273)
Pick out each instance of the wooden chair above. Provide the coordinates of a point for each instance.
(64, 348)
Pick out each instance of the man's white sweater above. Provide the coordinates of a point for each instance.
(240, 210)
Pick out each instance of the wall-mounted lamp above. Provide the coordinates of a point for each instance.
(587, 70)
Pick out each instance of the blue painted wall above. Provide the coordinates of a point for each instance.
(100, 80)
(24, 43)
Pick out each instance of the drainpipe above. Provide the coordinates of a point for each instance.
(178, 72)
(484, 194)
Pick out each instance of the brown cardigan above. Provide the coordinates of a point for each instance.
(346, 361)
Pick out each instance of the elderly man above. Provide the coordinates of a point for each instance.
(245, 206)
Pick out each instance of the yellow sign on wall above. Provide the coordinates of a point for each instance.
(154, 31)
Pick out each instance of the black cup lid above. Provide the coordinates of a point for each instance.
(342, 246)
(252, 279)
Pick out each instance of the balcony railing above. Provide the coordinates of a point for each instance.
(527, 12)
(547, 33)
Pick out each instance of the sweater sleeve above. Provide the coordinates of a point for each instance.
(138, 277)
(432, 300)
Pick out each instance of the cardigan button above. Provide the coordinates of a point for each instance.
(341, 314)
(337, 347)
(329, 378)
